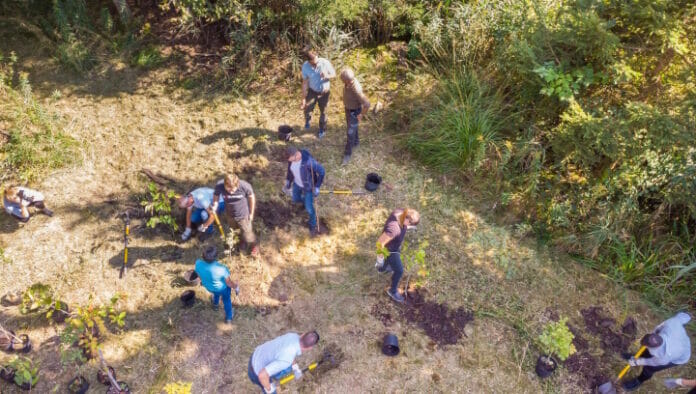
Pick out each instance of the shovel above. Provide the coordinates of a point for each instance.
(354, 193)
(311, 367)
(126, 233)
(608, 387)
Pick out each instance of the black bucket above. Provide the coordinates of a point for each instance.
(390, 345)
(284, 133)
(545, 366)
(191, 277)
(372, 182)
(188, 298)
(79, 385)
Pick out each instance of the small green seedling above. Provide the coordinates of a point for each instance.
(26, 373)
(415, 263)
(556, 339)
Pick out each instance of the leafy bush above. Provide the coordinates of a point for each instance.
(159, 206)
(556, 339)
(25, 371)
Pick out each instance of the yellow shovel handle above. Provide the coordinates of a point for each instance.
(291, 375)
(627, 367)
(217, 221)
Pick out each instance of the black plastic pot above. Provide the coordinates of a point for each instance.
(390, 345)
(188, 298)
(11, 299)
(284, 133)
(103, 378)
(22, 345)
(79, 385)
(192, 278)
(372, 182)
(60, 315)
(124, 389)
(545, 366)
(7, 374)
(24, 386)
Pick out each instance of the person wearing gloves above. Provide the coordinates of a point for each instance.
(239, 198)
(316, 73)
(276, 358)
(304, 178)
(667, 346)
(389, 243)
(672, 383)
(215, 277)
(355, 104)
(199, 211)
(18, 199)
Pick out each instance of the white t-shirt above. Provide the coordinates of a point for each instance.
(295, 169)
(277, 354)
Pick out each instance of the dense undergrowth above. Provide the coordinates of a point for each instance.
(578, 115)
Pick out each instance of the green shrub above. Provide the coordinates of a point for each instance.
(147, 57)
(556, 339)
(158, 205)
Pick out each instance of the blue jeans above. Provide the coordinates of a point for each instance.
(394, 261)
(199, 216)
(299, 195)
(352, 124)
(226, 295)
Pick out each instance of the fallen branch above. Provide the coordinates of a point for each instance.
(157, 178)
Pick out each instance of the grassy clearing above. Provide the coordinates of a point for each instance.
(476, 261)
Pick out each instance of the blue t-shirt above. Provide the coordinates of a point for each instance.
(212, 275)
(313, 74)
(202, 197)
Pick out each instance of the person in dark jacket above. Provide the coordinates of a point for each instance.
(305, 176)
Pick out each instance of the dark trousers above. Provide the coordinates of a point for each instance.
(394, 261)
(245, 228)
(312, 99)
(352, 123)
(648, 371)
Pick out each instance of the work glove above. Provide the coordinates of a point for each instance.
(633, 362)
(236, 290)
(202, 228)
(673, 383)
(380, 262)
(287, 190)
(186, 234)
(316, 191)
(297, 371)
(271, 389)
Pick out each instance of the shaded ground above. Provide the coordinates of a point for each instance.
(127, 120)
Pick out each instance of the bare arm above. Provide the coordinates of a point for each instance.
(252, 207)
(188, 217)
(689, 382)
(265, 379)
(231, 284)
(305, 90)
(384, 239)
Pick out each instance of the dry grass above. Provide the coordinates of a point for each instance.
(299, 283)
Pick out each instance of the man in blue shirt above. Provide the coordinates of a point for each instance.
(316, 73)
(305, 175)
(199, 209)
(276, 358)
(215, 277)
(667, 346)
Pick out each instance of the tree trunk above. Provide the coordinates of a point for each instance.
(123, 11)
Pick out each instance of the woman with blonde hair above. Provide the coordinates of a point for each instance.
(18, 199)
(400, 220)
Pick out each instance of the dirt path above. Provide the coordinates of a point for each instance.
(128, 121)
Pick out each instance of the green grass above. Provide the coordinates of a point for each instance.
(147, 58)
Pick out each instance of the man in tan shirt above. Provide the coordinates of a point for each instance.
(355, 104)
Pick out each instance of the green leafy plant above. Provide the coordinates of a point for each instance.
(37, 297)
(415, 262)
(159, 206)
(556, 339)
(26, 373)
(178, 388)
(85, 326)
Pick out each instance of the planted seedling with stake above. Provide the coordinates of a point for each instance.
(26, 374)
(555, 340)
(415, 263)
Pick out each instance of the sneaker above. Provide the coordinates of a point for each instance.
(255, 251)
(321, 134)
(212, 301)
(346, 159)
(306, 125)
(314, 232)
(396, 296)
(386, 268)
(631, 385)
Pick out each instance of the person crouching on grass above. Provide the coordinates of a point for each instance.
(215, 277)
(18, 199)
(391, 239)
(200, 210)
(276, 358)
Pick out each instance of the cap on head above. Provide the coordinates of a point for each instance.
(184, 201)
(309, 339)
(651, 340)
(290, 152)
(347, 75)
(210, 254)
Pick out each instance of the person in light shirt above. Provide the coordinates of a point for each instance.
(316, 75)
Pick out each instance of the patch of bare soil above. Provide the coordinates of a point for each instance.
(579, 342)
(274, 213)
(599, 324)
(382, 312)
(443, 325)
(586, 367)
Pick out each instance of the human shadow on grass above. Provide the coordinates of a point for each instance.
(9, 225)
